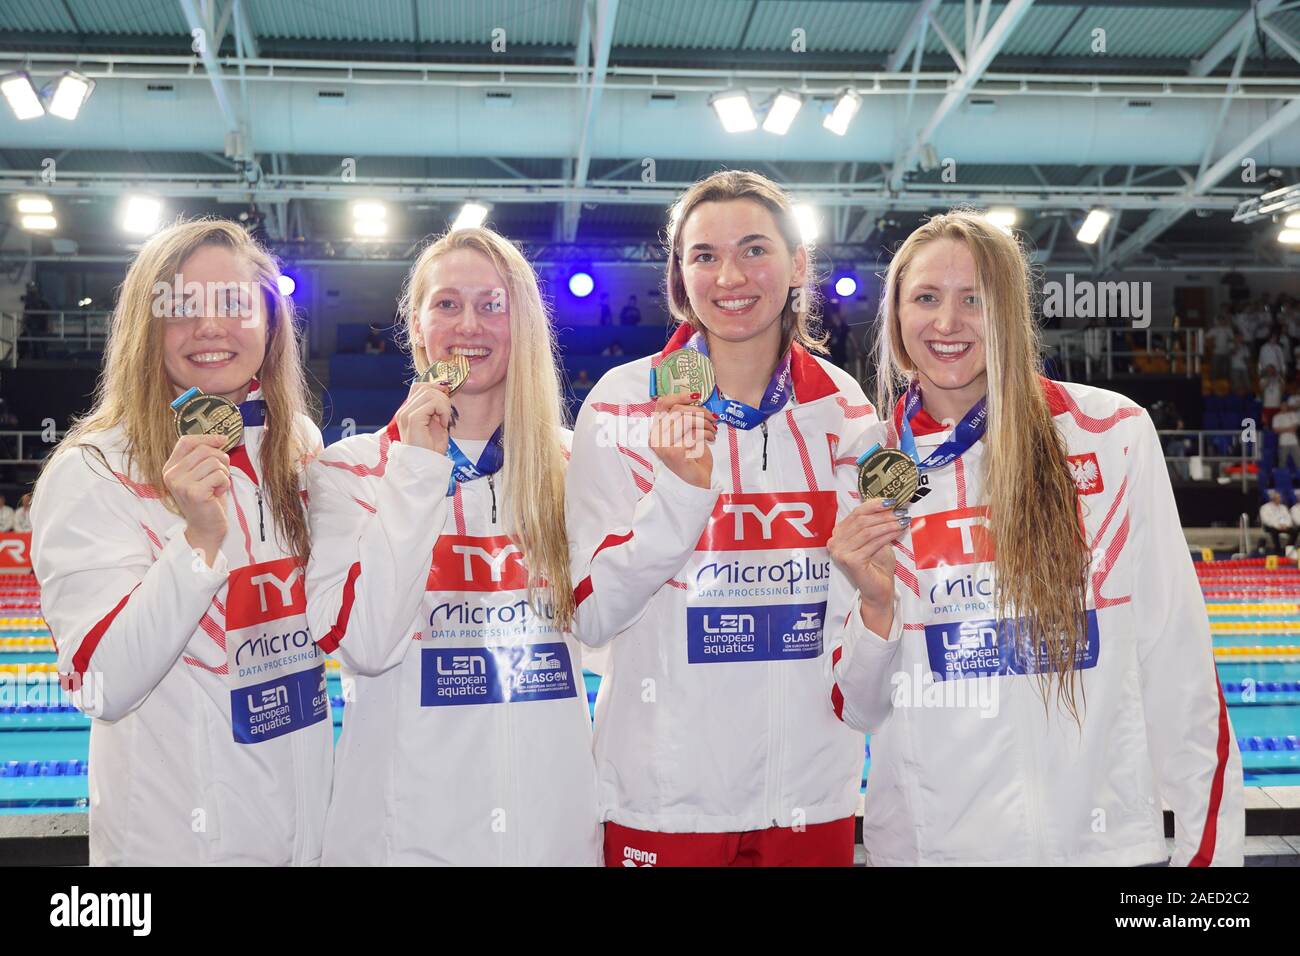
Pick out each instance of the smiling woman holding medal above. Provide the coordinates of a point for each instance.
(1031, 654)
(168, 536)
(440, 566)
(701, 495)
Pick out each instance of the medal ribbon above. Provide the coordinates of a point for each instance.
(490, 462)
(738, 414)
(968, 431)
(253, 413)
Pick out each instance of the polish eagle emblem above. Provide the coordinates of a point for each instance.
(1086, 473)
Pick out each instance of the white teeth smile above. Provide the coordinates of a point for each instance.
(949, 348)
(212, 356)
(736, 303)
(470, 353)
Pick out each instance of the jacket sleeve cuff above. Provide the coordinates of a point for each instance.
(424, 464)
(682, 494)
(188, 565)
(870, 640)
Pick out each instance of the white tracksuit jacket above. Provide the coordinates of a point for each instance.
(712, 713)
(966, 767)
(466, 738)
(212, 738)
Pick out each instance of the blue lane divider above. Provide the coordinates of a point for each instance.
(1267, 686)
(1256, 744)
(43, 768)
(29, 708)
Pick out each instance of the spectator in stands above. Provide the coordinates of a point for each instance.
(606, 313)
(1288, 317)
(22, 514)
(613, 348)
(1240, 365)
(1275, 519)
(376, 344)
(1243, 320)
(35, 320)
(1295, 523)
(631, 314)
(1261, 321)
(1270, 388)
(582, 384)
(1179, 448)
(1285, 424)
(1272, 354)
(838, 331)
(6, 516)
(1220, 340)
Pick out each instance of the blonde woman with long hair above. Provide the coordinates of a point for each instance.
(440, 565)
(1029, 645)
(699, 525)
(171, 570)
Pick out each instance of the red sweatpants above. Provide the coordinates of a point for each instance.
(821, 844)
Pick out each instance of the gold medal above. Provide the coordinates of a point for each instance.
(889, 473)
(451, 373)
(199, 414)
(686, 370)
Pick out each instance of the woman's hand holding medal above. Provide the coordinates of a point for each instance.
(197, 475)
(680, 434)
(424, 420)
(863, 546)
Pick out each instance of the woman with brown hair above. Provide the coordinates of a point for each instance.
(698, 520)
(171, 567)
(1029, 646)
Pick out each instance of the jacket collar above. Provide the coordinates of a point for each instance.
(923, 423)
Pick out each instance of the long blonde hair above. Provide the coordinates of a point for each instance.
(134, 390)
(799, 319)
(534, 458)
(1041, 557)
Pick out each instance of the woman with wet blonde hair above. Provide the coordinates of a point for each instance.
(440, 568)
(698, 524)
(171, 568)
(1029, 645)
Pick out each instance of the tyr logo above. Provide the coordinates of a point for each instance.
(799, 513)
(952, 538)
(495, 560)
(751, 521)
(281, 586)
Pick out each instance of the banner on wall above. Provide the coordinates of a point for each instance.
(16, 551)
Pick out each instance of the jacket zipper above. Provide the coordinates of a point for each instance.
(300, 785)
(261, 522)
(776, 710)
(493, 488)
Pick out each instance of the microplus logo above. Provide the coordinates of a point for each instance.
(103, 909)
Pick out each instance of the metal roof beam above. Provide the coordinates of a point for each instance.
(233, 121)
(829, 194)
(603, 16)
(1223, 47)
(912, 35)
(1161, 220)
(976, 63)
